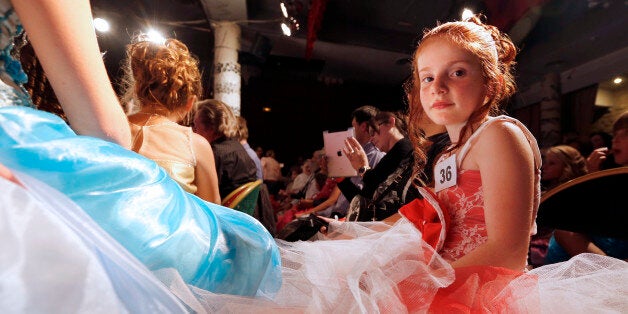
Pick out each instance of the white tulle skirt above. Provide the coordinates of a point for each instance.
(376, 268)
(55, 259)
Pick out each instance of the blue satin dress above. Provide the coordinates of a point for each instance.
(134, 200)
(131, 197)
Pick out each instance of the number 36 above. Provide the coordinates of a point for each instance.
(445, 174)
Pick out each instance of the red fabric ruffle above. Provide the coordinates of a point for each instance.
(476, 289)
(426, 219)
(487, 289)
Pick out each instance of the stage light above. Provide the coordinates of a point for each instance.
(467, 14)
(284, 10)
(618, 80)
(286, 29)
(155, 36)
(290, 9)
(101, 25)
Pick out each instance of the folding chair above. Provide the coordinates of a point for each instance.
(244, 198)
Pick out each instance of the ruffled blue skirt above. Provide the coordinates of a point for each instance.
(134, 200)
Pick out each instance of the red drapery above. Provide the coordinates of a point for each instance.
(314, 21)
(504, 14)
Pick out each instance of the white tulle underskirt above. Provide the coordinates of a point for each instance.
(358, 268)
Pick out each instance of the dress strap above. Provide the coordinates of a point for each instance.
(468, 144)
(189, 135)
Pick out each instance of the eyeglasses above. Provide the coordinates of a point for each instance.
(375, 129)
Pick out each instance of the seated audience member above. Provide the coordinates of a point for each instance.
(384, 185)
(327, 207)
(316, 159)
(259, 151)
(325, 186)
(215, 121)
(600, 139)
(319, 163)
(295, 171)
(301, 182)
(601, 157)
(164, 81)
(323, 189)
(566, 244)
(576, 141)
(560, 164)
(272, 172)
(243, 136)
(337, 204)
(314, 188)
(264, 211)
(303, 186)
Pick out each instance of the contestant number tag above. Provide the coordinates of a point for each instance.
(445, 173)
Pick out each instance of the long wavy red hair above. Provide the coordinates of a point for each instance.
(496, 53)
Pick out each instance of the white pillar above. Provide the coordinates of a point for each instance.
(226, 67)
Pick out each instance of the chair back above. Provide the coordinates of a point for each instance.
(244, 198)
(596, 203)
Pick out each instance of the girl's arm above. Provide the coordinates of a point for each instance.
(64, 39)
(205, 175)
(505, 160)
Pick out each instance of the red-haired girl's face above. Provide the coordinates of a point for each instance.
(452, 86)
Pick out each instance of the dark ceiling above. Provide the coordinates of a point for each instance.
(363, 46)
(371, 39)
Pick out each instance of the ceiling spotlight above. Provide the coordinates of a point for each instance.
(467, 14)
(101, 25)
(284, 10)
(266, 109)
(286, 29)
(617, 80)
(155, 36)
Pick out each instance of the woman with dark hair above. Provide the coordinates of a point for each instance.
(385, 189)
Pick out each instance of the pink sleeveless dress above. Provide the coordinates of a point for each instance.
(465, 202)
(479, 288)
